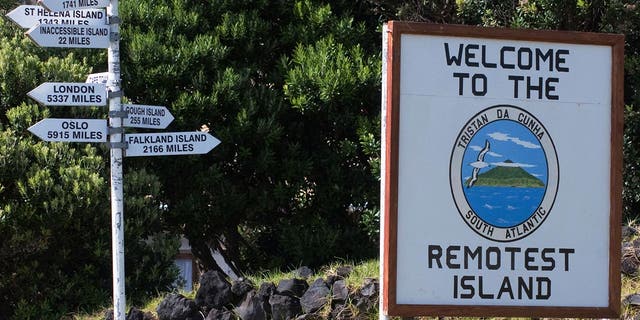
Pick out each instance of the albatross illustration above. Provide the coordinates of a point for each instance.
(479, 164)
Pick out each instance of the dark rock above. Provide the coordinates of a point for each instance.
(149, 316)
(632, 300)
(340, 291)
(240, 287)
(292, 287)
(332, 278)
(370, 287)
(315, 297)
(214, 291)
(108, 315)
(253, 307)
(344, 271)
(303, 273)
(135, 314)
(629, 266)
(266, 290)
(629, 262)
(177, 307)
(341, 312)
(367, 296)
(284, 307)
(216, 314)
(628, 232)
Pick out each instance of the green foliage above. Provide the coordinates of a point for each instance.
(631, 190)
(293, 143)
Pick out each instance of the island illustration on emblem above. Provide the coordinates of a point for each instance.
(504, 173)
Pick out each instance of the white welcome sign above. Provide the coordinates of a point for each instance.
(502, 172)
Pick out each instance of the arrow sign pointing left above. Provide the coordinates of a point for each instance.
(70, 94)
(70, 36)
(71, 130)
(169, 144)
(63, 5)
(27, 16)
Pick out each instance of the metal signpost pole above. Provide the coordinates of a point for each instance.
(117, 146)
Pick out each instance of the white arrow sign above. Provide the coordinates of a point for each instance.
(71, 130)
(63, 5)
(27, 16)
(100, 77)
(143, 116)
(170, 143)
(70, 36)
(70, 94)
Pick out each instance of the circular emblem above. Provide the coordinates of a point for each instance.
(504, 173)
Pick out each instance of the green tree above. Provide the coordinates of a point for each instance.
(293, 176)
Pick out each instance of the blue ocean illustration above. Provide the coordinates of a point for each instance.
(504, 173)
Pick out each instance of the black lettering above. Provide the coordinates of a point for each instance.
(512, 251)
(484, 57)
(551, 88)
(543, 294)
(528, 259)
(505, 287)
(503, 64)
(496, 253)
(474, 82)
(540, 56)
(532, 87)
(482, 294)
(550, 260)
(525, 63)
(515, 84)
(527, 288)
(560, 60)
(468, 55)
(566, 252)
(466, 286)
(453, 59)
(435, 253)
(461, 77)
(477, 253)
(451, 255)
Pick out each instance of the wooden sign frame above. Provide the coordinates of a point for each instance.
(391, 128)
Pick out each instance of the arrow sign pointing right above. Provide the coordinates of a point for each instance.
(71, 130)
(70, 94)
(143, 116)
(100, 77)
(169, 144)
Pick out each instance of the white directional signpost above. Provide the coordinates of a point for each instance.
(71, 130)
(70, 94)
(85, 24)
(70, 36)
(27, 16)
(63, 5)
(169, 143)
(144, 116)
